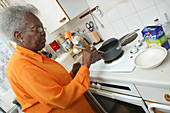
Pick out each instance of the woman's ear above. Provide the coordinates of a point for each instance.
(18, 36)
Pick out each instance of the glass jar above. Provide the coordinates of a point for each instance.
(60, 38)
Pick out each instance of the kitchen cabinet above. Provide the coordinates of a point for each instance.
(156, 98)
(73, 7)
(158, 108)
(55, 13)
(154, 94)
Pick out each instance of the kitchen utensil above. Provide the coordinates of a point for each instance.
(112, 47)
(99, 12)
(84, 48)
(90, 26)
(98, 21)
(94, 21)
(124, 64)
(95, 36)
(84, 41)
(151, 57)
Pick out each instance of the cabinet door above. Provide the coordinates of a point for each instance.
(51, 14)
(154, 94)
(73, 7)
(158, 108)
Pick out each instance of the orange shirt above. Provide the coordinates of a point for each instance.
(42, 85)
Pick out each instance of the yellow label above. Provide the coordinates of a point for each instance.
(152, 29)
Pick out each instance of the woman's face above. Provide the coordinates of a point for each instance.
(33, 35)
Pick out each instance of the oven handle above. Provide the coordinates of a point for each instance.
(152, 107)
(105, 93)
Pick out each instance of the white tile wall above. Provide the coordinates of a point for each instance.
(148, 15)
(113, 15)
(120, 28)
(123, 17)
(159, 1)
(133, 22)
(126, 8)
(142, 4)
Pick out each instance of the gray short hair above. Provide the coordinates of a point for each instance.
(12, 19)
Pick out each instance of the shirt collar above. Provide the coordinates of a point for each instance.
(29, 53)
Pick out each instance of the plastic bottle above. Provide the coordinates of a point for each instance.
(157, 22)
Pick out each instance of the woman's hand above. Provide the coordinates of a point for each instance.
(87, 56)
(76, 67)
(96, 56)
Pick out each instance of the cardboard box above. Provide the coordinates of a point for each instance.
(155, 36)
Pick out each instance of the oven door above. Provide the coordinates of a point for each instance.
(113, 102)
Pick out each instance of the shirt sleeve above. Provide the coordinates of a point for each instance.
(47, 90)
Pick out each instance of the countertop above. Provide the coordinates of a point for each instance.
(157, 77)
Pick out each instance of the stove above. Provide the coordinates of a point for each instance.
(123, 64)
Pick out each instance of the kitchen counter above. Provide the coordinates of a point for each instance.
(157, 77)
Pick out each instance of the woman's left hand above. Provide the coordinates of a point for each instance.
(76, 67)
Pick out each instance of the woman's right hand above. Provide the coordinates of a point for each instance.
(87, 57)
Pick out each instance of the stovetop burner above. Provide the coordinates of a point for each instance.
(126, 42)
(125, 62)
(129, 40)
(109, 62)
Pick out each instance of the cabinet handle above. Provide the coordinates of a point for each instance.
(62, 19)
(156, 111)
(153, 106)
(167, 97)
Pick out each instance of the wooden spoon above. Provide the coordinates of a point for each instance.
(84, 48)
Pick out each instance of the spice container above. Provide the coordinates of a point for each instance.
(81, 39)
(60, 38)
(68, 46)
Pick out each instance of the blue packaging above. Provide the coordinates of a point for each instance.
(155, 36)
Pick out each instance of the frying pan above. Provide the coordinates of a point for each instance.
(112, 48)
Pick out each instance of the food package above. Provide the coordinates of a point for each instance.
(155, 36)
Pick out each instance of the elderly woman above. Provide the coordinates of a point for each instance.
(41, 85)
